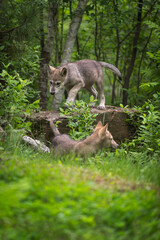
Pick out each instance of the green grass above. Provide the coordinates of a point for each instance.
(110, 196)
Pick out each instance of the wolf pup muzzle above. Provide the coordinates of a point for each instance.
(52, 92)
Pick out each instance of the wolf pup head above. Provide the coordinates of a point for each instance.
(56, 78)
(107, 137)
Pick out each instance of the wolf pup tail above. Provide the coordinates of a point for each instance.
(54, 129)
(112, 68)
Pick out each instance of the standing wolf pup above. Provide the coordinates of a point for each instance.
(99, 139)
(81, 74)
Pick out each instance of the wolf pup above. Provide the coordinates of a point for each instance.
(81, 74)
(99, 139)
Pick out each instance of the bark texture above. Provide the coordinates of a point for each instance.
(46, 51)
(115, 4)
(69, 44)
(134, 53)
(73, 30)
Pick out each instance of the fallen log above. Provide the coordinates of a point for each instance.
(116, 117)
(36, 144)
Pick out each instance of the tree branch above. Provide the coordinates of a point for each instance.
(135, 26)
(12, 29)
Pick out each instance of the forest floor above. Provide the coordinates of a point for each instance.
(112, 195)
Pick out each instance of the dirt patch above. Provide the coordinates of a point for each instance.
(104, 182)
(119, 184)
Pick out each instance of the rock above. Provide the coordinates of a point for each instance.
(40, 125)
(114, 116)
(117, 122)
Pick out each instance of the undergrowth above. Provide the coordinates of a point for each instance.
(80, 119)
(113, 195)
(148, 128)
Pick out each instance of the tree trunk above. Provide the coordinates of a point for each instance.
(69, 44)
(61, 37)
(56, 42)
(141, 59)
(71, 13)
(118, 49)
(46, 50)
(116, 64)
(73, 30)
(143, 53)
(134, 52)
(96, 32)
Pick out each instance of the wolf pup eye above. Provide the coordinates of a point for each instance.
(50, 82)
(58, 84)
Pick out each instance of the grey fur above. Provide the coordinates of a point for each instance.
(81, 74)
(100, 138)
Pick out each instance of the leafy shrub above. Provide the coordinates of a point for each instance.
(81, 120)
(149, 131)
(151, 86)
(14, 105)
(28, 68)
(148, 136)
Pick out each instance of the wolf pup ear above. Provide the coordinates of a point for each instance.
(103, 130)
(99, 125)
(106, 127)
(50, 69)
(63, 72)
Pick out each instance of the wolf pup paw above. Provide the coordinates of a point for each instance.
(101, 107)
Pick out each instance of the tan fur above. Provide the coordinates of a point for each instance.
(81, 74)
(99, 139)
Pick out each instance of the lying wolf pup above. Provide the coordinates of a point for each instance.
(81, 74)
(100, 138)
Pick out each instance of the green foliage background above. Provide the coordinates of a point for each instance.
(20, 36)
(113, 195)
